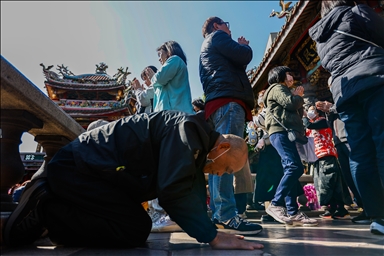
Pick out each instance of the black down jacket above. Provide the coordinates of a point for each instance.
(355, 65)
(163, 155)
(222, 68)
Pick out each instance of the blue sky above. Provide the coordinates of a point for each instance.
(122, 34)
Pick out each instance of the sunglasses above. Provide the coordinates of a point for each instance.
(224, 22)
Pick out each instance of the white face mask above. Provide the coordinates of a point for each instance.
(311, 114)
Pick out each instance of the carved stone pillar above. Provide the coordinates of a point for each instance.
(13, 124)
(51, 144)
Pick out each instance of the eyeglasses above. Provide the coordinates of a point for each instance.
(224, 22)
(208, 161)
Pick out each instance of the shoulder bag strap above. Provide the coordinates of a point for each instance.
(278, 121)
(273, 115)
(357, 37)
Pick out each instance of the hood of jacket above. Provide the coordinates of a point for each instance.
(355, 65)
(324, 28)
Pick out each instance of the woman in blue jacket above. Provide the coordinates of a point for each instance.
(171, 92)
(171, 84)
(350, 40)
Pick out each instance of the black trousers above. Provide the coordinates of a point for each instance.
(327, 179)
(343, 150)
(90, 211)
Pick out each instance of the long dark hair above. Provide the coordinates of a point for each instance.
(173, 48)
(278, 74)
(328, 5)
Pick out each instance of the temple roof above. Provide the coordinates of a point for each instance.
(79, 108)
(71, 85)
(92, 77)
(100, 80)
(302, 15)
(93, 111)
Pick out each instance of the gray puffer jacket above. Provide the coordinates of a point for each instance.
(355, 65)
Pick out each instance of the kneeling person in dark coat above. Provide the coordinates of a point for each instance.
(95, 185)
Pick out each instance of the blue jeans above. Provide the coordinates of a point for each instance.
(287, 192)
(363, 116)
(228, 119)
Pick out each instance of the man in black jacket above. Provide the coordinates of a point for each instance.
(229, 101)
(95, 185)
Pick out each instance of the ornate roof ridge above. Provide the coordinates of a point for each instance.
(81, 86)
(86, 112)
(253, 72)
(82, 105)
(85, 79)
(97, 77)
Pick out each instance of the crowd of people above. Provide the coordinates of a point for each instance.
(149, 167)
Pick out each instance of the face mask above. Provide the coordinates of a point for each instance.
(208, 161)
(311, 114)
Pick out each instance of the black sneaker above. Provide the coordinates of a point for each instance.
(377, 226)
(267, 218)
(255, 206)
(341, 214)
(328, 212)
(361, 219)
(24, 225)
(326, 215)
(237, 225)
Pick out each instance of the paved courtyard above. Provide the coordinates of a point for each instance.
(331, 237)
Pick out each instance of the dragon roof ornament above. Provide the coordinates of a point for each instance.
(102, 68)
(286, 10)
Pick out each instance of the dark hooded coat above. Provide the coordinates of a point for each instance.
(146, 156)
(355, 65)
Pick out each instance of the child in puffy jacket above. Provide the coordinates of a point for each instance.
(327, 173)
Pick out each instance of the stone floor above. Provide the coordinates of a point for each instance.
(331, 237)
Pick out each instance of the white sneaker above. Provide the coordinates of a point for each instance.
(243, 215)
(155, 215)
(301, 219)
(279, 213)
(377, 226)
(165, 224)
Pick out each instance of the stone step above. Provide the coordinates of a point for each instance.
(253, 214)
(305, 178)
